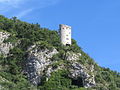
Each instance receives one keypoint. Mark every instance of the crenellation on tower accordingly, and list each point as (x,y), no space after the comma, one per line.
(65,34)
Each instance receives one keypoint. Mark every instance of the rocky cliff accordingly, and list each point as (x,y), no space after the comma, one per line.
(39,63)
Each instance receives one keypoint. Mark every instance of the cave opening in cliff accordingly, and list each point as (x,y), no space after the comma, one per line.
(78,82)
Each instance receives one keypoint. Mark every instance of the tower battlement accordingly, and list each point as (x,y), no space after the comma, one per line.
(65,34)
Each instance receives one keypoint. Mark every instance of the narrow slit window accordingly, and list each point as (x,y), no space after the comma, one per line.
(67,38)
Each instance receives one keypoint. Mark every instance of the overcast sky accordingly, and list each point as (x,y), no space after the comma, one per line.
(95,23)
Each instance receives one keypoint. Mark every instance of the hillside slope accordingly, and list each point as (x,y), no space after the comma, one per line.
(33,58)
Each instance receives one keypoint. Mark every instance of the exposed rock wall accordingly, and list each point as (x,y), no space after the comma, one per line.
(39,61)
(78,70)
(4,47)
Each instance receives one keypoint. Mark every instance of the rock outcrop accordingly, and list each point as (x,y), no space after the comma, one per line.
(4,47)
(39,64)
(78,71)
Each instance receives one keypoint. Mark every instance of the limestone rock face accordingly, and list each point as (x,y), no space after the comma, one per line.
(4,47)
(77,70)
(72,56)
(37,63)
(3,36)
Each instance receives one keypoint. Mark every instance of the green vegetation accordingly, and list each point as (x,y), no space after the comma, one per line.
(25,35)
(59,81)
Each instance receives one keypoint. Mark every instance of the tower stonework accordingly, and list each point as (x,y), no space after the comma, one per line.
(65,34)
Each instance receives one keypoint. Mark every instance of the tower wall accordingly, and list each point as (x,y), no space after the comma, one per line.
(65,34)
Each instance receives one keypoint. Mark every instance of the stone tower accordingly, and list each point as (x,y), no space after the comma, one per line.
(65,34)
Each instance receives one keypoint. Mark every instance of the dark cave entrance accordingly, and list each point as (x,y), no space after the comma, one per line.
(78,82)
(67,44)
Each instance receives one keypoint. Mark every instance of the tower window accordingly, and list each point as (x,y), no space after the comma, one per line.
(67,38)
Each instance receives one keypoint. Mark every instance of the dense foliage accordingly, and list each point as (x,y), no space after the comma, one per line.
(11,75)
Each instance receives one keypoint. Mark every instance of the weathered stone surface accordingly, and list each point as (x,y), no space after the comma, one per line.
(3,36)
(4,47)
(77,70)
(72,56)
(37,63)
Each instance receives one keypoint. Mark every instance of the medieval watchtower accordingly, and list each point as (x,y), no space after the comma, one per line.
(65,34)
